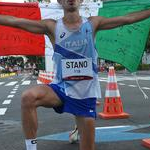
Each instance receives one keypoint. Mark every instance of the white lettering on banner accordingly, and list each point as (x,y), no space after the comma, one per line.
(77,69)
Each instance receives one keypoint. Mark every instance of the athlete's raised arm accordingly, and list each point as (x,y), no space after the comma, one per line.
(38,27)
(102,23)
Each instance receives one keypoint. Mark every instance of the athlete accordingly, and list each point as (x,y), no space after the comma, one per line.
(75,87)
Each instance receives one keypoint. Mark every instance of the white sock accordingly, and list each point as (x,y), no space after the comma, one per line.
(31,144)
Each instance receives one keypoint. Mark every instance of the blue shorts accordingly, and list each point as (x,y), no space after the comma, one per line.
(85,107)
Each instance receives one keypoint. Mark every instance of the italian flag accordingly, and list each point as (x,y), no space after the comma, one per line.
(18,42)
(14,41)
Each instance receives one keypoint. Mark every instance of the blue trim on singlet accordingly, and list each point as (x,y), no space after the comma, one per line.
(95,68)
(67,54)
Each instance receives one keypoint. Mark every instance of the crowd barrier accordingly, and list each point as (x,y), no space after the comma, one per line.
(45,77)
(4,75)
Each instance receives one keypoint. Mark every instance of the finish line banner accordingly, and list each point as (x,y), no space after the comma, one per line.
(18,42)
(124,45)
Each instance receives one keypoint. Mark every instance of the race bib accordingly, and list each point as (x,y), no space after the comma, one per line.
(77,69)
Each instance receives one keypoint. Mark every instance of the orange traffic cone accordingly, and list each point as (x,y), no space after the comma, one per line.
(146,143)
(113,107)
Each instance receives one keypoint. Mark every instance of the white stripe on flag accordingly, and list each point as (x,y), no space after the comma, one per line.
(55,12)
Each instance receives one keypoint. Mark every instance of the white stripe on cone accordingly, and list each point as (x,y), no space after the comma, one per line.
(112,79)
(112,93)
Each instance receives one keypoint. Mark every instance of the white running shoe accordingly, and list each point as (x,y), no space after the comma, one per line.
(74,136)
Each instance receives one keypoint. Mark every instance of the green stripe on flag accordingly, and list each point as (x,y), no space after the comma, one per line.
(124,45)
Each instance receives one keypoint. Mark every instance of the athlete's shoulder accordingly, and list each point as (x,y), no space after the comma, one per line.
(50,25)
(95,20)
(49,21)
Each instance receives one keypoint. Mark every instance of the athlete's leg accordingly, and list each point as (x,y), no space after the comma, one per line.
(86,127)
(73,135)
(41,95)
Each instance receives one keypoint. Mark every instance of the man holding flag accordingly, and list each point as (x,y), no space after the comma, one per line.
(75,87)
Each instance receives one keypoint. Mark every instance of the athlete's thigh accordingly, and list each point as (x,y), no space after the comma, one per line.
(45,96)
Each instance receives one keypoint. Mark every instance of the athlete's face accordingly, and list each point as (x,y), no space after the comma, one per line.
(70,5)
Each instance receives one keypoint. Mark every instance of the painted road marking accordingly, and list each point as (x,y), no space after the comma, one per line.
(121,83)
(143,78)
(107,134)
(10,96)
(145,88)
(1,83)
(24,78)
(12,92)
(11,83)
(15,89)
(132,85)
(111,127)
(27,82)
(2,111)
(123,78)
(6,102)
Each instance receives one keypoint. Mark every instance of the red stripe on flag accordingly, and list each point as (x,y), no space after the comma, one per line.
(18,42)
(19,4)
(112,86)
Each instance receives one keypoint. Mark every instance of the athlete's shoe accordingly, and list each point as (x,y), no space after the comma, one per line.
(98,103)
(74,136)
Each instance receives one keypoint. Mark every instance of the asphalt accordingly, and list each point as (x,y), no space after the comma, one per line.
(111,134)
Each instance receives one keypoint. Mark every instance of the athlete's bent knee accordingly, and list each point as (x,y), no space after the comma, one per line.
(28,99)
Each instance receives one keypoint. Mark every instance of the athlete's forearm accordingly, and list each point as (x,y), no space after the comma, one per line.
(24,24)
(138,16)
(7,20)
